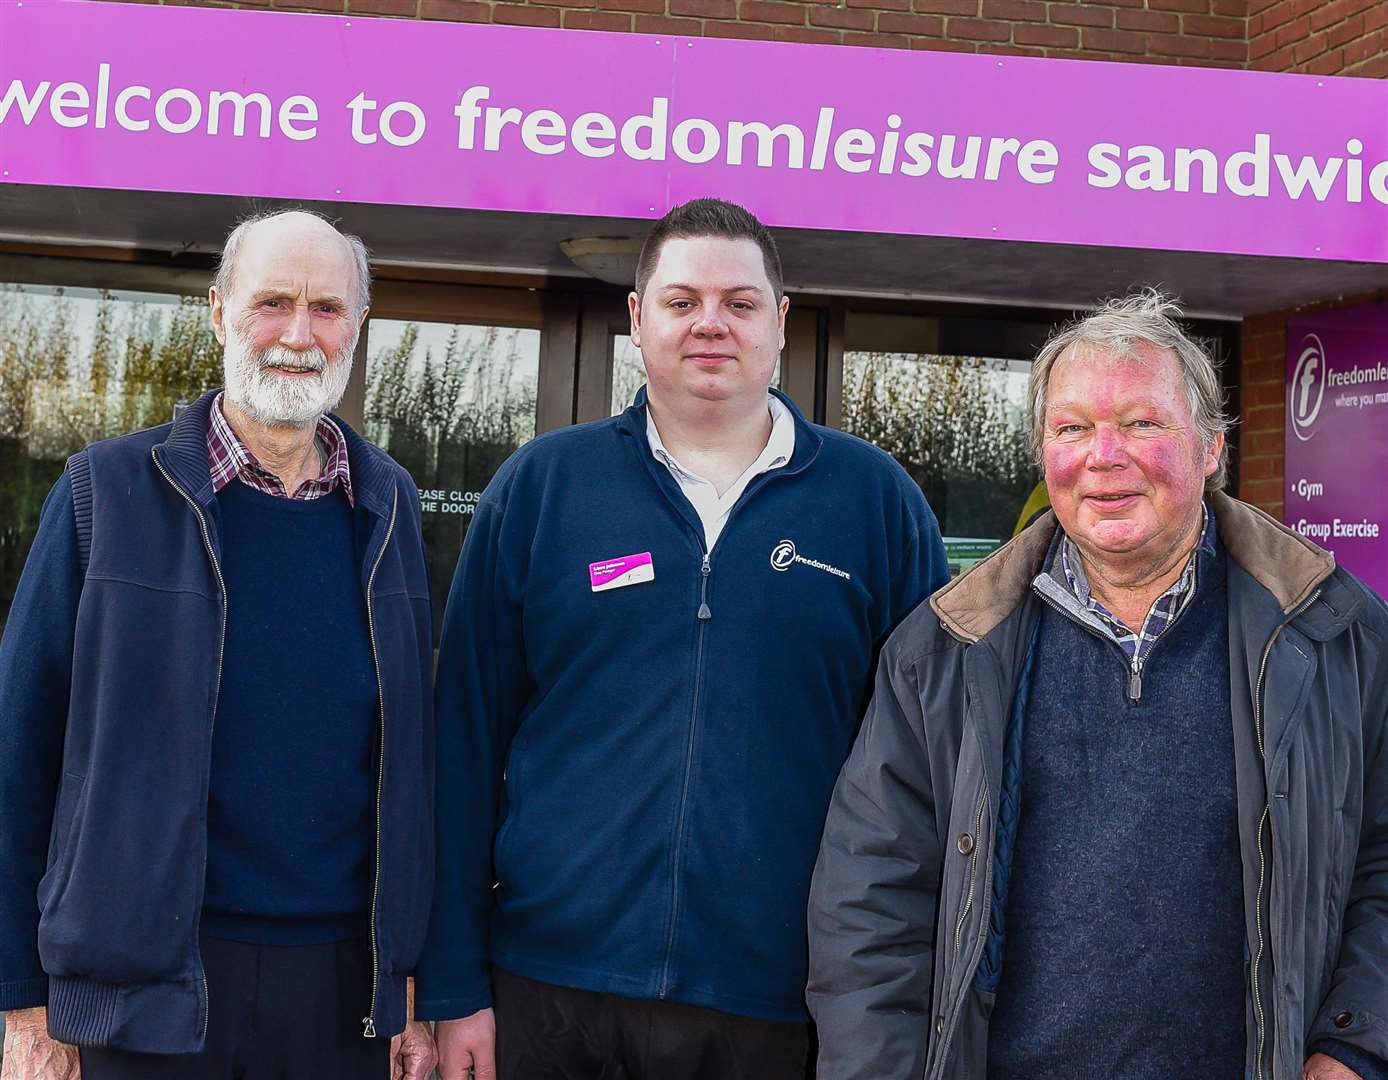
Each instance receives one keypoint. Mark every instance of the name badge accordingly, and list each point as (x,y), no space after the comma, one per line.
(620,572)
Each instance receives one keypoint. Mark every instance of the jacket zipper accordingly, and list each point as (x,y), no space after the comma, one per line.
(973,876)
(1134,668)
(1265,819)
(703,615)
(1135,665)
(368,1022)
(1135,679)
(216,686)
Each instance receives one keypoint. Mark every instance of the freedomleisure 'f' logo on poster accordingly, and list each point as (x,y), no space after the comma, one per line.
(1307,389)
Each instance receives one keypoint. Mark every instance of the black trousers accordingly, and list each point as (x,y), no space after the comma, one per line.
(277,1013)
(546,1032)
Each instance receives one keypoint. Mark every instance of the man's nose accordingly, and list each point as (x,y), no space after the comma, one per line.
(1106,448)
(298,333)
(710,322)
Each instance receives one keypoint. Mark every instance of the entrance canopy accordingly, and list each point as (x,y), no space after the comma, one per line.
(816,261)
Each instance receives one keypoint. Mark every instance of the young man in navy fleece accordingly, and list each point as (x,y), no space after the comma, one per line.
(659,641)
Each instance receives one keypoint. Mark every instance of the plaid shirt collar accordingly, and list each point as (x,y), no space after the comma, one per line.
(230,459)
(1165,608)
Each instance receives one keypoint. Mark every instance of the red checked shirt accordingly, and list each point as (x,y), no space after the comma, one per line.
(230,459)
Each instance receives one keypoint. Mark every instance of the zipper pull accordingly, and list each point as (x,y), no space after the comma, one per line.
(1135,683)
(368,1025)
(704,570)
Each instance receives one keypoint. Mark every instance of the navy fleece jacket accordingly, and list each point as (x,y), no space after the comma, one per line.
(645,786)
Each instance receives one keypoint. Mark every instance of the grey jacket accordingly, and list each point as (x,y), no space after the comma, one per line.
(902,890)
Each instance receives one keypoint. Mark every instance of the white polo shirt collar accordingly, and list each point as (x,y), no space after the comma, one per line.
(712,508)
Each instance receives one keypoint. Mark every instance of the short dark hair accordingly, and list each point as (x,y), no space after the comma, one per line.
(708,217)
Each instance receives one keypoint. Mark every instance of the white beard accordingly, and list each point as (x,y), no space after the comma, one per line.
(277,400)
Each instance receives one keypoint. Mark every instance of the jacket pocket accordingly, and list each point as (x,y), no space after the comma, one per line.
(62,837)
(506,834)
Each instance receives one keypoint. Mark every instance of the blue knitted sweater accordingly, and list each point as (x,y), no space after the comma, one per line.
(290,805)
(1124,920)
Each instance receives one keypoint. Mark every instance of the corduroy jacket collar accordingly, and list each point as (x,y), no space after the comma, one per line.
(1285,563)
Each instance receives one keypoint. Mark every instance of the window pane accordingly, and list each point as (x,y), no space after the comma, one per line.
(450,402)
(77,365)
(629,374)
(957,425)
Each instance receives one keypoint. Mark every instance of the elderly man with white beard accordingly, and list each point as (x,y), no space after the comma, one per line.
(216,740)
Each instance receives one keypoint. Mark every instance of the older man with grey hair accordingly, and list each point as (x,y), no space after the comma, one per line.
(1119,807)
(216,743)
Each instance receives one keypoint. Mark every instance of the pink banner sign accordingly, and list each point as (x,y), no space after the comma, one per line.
(1337,436)
(500,118)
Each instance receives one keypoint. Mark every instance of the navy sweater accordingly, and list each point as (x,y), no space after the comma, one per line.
(666,776)
(1125,931)
(289,815)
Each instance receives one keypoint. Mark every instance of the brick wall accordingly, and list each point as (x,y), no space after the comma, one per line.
(1262,412)
(1205,32)
(1319,37)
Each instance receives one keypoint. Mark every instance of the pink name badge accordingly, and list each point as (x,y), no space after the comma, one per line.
(622,571)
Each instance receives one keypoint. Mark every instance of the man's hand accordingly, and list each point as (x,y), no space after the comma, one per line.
(469,1043)
(30,1054)
(412,1054)
(1324,1067)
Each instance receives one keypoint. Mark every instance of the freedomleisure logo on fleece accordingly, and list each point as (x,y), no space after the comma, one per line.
(784,556)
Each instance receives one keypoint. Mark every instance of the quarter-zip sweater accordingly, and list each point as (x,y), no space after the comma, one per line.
(109,685)
(1124,891)
(669,747)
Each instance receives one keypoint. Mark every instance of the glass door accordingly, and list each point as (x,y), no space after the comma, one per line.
(954,419)
(450,402)
(78,365)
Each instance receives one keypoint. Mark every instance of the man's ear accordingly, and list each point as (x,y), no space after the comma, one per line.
(1212,454)
(634,309)
(218,313)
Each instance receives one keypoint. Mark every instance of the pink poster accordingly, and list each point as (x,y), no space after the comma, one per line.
(367,110)
(1337,436)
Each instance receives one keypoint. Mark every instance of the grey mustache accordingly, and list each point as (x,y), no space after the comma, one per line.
(312,360)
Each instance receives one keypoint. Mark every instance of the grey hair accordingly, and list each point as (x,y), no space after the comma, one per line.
(231,252)
(1119,327)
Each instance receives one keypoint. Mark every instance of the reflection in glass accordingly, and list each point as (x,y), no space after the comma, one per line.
(450,403)
(629,373)
(77,365)
(957,424)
